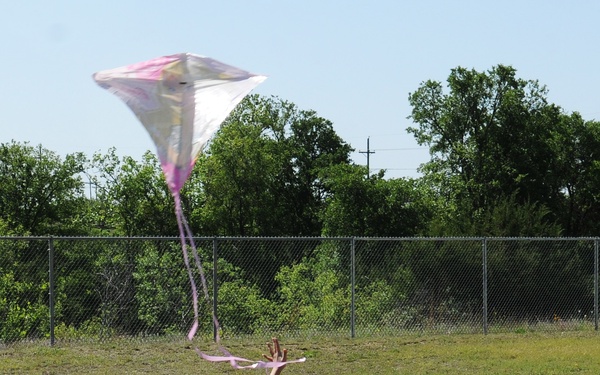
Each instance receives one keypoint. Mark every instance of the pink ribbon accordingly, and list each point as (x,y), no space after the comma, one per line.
(234,361)
(185,235)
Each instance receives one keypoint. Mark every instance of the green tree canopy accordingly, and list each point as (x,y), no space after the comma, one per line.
(373,206)
(495,137)
(40,193)
(261,173)
(133,198)
(578,167)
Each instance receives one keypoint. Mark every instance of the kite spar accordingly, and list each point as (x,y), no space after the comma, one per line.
(182,100)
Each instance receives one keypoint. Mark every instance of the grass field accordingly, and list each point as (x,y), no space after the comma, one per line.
(513,353)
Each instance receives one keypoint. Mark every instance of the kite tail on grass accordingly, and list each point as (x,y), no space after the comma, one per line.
(185,235)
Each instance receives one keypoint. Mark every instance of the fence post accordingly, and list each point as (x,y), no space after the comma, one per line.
(215,288)
(596,283)
(51,287)
(485,288)
(352,287)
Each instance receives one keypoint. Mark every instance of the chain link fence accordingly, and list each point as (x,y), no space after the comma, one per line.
(62,288)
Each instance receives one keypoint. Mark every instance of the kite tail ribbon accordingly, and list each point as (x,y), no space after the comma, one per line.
(185,235)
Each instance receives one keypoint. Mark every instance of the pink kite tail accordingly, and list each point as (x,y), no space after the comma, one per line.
(185,235)
(202,275)
(180,220)
(234,361)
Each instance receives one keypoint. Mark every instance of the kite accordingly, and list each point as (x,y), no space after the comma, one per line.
(182,100)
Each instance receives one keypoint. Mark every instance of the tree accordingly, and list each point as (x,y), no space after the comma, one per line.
(239,177)
(132,198)
(578,165)
(40,193)
(491,136)
(314,146)
(373,206)
(505,218)
(260,175)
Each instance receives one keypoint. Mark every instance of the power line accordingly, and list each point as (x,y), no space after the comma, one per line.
(397,169)
(401,149)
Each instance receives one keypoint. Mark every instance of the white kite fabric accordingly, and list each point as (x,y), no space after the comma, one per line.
(182,100)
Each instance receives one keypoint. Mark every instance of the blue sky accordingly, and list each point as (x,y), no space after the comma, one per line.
(353,62)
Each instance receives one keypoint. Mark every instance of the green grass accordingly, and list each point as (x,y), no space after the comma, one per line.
(506,353)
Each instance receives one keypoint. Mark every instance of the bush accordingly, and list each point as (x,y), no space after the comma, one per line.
(21,317)
(314,294)
(163,291)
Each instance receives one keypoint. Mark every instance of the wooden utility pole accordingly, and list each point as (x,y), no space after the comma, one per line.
(368,152)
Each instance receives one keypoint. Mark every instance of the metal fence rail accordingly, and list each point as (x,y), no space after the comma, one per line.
(64,288)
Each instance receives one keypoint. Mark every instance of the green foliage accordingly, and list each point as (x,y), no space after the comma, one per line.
(90,329)
(76,298)
(22,314)
(505,218)
(373,206)
(113,283)
(313,296)
(133,198)
(493,136)
(515,267)
(163,295)
(242,309)
(576,142)
(377,305)
(23,291)
(41,194)
(443,283)
(504,162)
(261,173)
(162,290)
(239,178)
(5,230)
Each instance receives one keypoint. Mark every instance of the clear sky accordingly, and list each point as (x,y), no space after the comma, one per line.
(353,62)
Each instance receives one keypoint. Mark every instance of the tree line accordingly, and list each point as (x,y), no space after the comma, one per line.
(504,162)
